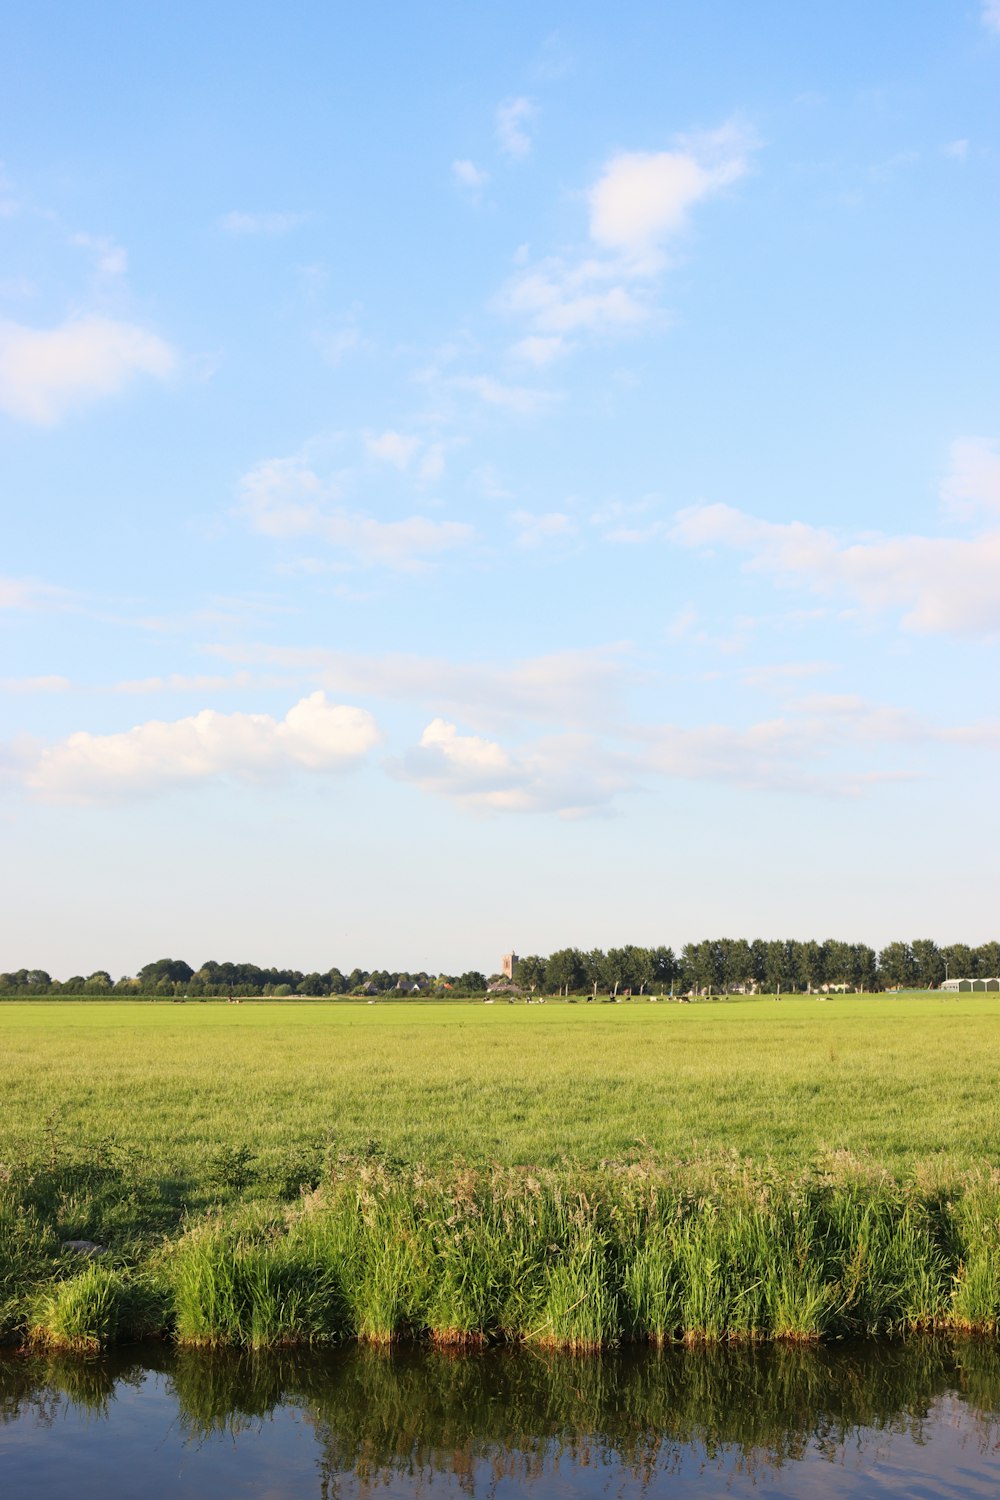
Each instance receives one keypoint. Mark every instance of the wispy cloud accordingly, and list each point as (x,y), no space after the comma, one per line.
(285,498)
(110,259)
(513,119)
(941,584)
(266,224)
(46,372)
(468,175)
(523,400)
(396,448)
(972,483)
(314,735)
(534,531)
(31,593)
(581,687)
(991,15)
(32,685)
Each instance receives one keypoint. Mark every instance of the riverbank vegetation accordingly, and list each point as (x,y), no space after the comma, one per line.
(698,1252)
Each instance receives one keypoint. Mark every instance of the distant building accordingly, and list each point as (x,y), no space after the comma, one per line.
(971,986)
(508,964)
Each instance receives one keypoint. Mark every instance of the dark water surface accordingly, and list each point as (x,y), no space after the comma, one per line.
(919,1419)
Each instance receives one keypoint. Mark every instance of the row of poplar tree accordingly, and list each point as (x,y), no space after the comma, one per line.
(715,966)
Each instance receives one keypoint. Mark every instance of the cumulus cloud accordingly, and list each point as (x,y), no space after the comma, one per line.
(45,372)
(287,499)
(566,774)
(315,735)
(643,198)
(267,224)
(513,118)
(640,201)
(941,584)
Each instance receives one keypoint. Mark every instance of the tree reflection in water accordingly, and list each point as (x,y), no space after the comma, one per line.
(383,1414)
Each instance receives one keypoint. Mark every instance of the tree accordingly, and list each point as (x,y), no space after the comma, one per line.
(813,959)
(960,961)
(530,972)
(175,970)
(628,968)
(896,967)
(987,958)
(665,966)
(779,967)
(737,965)
(928,965)
(472,982)
(565,970)
(99,983)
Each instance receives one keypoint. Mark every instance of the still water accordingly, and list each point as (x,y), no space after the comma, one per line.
(920,1419)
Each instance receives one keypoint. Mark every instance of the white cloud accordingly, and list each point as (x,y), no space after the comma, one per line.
(111,259)
(469,175)
(538,349)
(393,447)
(512,119)
(285,498)
(432,463)
(50,684)
(972,482)
(640,201)
(564,687)
(534,530)
(942,584)
(202,682)
(314,735)
(29,593)
(957,150)
(777,675)
(991,15)
(645,197)
(335,346)
(44,372)
(566,774)
(521,399)
(268,224)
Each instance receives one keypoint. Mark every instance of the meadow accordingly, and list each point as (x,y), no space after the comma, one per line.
(746,1168)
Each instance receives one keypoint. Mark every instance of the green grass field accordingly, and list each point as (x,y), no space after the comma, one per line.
(571,1174)
(909,1080)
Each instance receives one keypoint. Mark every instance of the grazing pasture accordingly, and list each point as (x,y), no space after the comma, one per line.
(565,1174)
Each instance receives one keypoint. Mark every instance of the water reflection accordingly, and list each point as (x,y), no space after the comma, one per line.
(510,1422)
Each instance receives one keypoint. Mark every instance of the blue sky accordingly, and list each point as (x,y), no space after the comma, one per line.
(485,476)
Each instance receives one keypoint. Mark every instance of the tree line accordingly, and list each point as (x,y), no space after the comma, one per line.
(714,966)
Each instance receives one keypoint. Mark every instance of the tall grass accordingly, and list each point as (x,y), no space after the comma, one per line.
(582,1262)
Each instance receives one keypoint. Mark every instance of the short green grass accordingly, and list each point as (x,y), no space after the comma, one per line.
(906,1080)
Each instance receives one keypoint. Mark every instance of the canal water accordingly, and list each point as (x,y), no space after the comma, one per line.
(915,1419)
